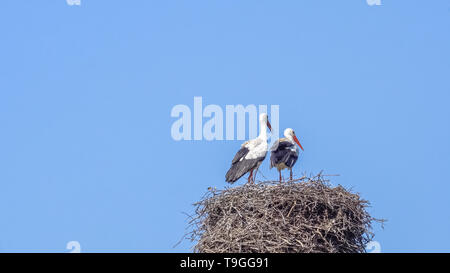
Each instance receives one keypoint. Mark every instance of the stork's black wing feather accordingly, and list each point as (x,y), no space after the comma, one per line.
(240,154)
(283,153)
(284,145)
(241,166)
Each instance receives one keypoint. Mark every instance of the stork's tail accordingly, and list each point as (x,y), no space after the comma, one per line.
(240,168)
(233,175)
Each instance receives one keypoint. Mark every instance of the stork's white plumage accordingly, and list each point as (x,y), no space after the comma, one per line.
(284,153)
(251,154)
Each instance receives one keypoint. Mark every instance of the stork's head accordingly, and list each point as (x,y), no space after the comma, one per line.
(290,134)
(264,119)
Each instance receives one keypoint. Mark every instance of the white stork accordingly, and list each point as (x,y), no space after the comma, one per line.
(284,152)
(251,154)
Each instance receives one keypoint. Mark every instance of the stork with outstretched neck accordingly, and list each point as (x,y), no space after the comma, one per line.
(251,154)
(284,153)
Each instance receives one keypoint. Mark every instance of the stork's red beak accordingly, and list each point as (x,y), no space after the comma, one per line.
(270,126)
(298,142)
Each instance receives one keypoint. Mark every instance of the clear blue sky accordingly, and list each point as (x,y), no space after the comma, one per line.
(86,93)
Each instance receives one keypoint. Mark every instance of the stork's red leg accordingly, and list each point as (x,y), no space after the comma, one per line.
(291,173)
(254,177)
(279,171)
(250,176)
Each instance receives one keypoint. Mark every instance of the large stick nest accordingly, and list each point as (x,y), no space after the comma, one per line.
(304,215)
